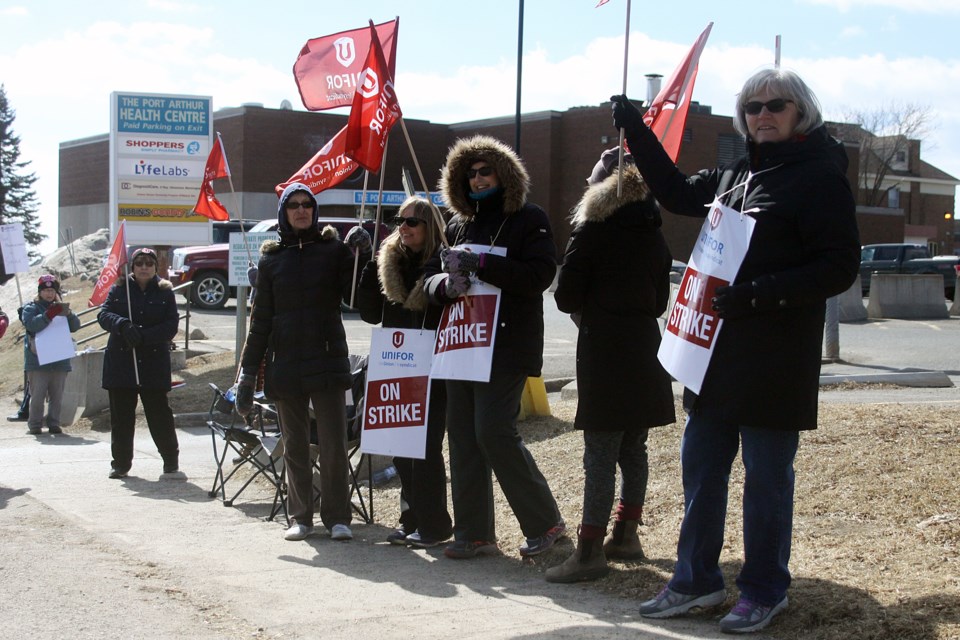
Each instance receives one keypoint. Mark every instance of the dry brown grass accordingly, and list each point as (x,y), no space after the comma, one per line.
(877,518)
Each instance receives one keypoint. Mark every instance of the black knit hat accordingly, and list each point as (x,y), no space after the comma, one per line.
(48,281)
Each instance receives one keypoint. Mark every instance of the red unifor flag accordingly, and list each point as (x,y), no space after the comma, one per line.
(667,113)
(111,268)
(328,168)
(328,69)
(207,204)
(375,110)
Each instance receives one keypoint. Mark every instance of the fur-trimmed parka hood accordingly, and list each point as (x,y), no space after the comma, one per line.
(513,176)
(329,232)
(286,233)
(162,283)
(600,201)
(392,264)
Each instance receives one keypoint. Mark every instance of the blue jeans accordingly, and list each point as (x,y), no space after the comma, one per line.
(707,453)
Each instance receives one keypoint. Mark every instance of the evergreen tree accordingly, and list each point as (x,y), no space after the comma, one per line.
(18,201)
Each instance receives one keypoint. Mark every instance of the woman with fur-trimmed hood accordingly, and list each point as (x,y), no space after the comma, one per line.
(616,279)
(485,186)
(391,292)
(296,324)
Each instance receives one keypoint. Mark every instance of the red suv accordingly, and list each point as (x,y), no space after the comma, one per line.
(207,266)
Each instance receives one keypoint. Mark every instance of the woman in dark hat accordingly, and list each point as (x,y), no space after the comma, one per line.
(46,381)
(141,315)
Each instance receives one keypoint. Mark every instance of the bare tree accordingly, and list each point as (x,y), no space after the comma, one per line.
(886,135)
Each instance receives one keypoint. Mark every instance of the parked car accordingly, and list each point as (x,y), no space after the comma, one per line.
(206,266)
(906,258)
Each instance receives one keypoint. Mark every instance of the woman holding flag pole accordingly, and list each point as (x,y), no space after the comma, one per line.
(141,315)
(761,381)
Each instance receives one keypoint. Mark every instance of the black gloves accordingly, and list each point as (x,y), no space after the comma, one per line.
(736,301)
(454,260)
(245,385)
(626,116)
(131,334)
(358,239)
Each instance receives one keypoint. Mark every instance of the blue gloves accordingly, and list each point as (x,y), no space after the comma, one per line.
(458,260)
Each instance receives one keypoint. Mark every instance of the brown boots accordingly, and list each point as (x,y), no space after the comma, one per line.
(623,543)
(586,563)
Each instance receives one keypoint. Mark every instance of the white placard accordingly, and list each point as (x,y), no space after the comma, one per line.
(397,397)
(692,326)
(54,343)
(240,258)
(14,248)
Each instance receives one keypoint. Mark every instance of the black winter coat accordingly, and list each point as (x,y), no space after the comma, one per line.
(502,220)
(296,320)
(805,248)
(616,276)
(154,311)
(391,291)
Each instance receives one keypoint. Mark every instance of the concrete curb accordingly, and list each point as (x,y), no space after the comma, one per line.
(900,378)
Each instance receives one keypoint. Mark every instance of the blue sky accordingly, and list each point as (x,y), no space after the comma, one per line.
(60,60)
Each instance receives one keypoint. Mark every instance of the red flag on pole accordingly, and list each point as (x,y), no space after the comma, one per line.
(329,68)
(667,113)
(328,168)
(207,204)
(375,110)
(111,268)
(601,3)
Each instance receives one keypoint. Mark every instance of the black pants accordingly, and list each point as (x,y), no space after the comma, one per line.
(123,406)
(423,490)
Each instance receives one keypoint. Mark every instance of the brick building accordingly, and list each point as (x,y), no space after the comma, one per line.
(265,146)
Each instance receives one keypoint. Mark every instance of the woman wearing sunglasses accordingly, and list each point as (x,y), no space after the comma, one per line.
(301,279)
(136,364)
(391,292)
(761,384)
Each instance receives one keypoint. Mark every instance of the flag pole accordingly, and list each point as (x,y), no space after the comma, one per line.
(236,203)
(133,350)
(776,55)
(383,173)
(356,256)
(626,52)
(436,212)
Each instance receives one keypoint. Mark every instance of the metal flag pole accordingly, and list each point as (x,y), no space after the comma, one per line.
(626,53)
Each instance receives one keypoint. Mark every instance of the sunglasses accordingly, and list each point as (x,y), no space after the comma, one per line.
(293,206)
(753,108)
(144,263)
(411,222)
(484,171)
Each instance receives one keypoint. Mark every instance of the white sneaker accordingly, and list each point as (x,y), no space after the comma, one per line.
(341,532)
(297,532)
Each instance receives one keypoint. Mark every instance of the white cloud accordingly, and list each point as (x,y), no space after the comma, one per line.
(852,32)
(14,11)
(946,7)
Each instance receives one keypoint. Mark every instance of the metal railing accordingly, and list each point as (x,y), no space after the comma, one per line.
(181,316)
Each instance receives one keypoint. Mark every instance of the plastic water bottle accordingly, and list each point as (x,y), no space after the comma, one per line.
(384,476)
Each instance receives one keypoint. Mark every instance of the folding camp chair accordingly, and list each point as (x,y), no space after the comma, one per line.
(362,505)
(256,449)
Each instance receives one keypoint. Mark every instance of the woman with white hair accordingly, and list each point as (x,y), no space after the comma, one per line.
(760,387)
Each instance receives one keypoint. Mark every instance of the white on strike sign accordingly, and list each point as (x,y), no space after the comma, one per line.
(692,325)
(397,394)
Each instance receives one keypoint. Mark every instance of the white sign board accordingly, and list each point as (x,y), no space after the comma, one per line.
(241,255)
(14,248)
(54,343)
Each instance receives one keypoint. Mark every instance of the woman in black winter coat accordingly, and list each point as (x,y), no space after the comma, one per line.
(760,387)
(296,324)
(485,186)
(615,279)
(391,292)
(137,362)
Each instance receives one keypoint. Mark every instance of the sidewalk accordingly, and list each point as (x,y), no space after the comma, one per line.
(225,572)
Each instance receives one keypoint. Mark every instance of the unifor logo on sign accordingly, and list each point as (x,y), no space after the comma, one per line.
(345,50)
(397,339)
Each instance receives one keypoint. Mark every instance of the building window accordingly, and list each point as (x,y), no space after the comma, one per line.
(901,156)
(687,135)
(893,197)
(729,148)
